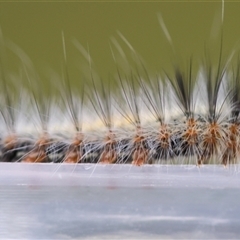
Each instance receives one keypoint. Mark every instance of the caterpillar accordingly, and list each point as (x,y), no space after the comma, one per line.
(147,133)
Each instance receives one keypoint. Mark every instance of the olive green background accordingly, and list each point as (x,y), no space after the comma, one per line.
(36,27)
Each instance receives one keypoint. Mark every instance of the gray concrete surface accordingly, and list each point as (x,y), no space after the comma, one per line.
(43,201)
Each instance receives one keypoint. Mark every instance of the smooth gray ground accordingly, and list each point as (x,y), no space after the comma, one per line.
(124,202)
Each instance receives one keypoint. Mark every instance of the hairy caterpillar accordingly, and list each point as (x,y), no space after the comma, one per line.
(203,136)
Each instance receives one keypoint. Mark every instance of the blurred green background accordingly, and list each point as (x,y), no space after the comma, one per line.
(36,28)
